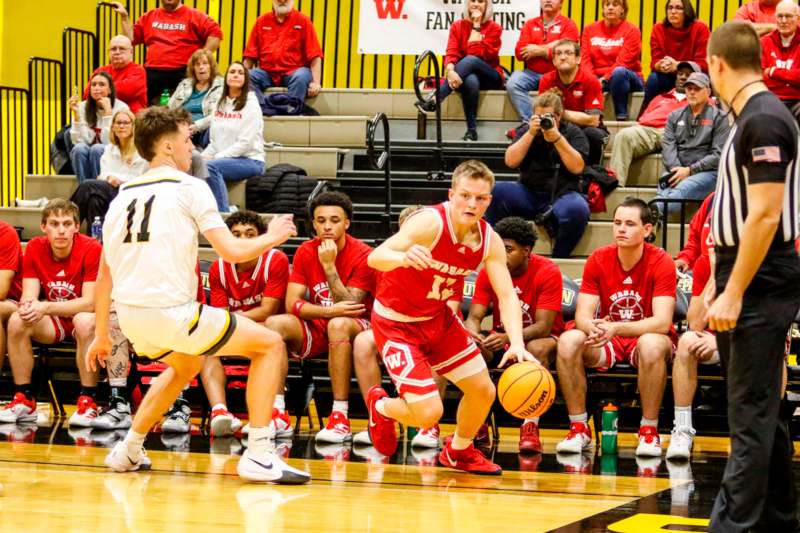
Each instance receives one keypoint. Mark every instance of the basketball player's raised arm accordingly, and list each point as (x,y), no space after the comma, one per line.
(234,250)
(507,301)
(409,247)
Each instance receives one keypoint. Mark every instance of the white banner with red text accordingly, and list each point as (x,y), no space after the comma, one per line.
(413,26)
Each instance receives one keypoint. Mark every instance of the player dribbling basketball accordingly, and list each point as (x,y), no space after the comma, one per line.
(150,253)
(424,264)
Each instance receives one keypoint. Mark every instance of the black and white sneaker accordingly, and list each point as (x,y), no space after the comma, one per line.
(269,468)
(178,418)
(116,416)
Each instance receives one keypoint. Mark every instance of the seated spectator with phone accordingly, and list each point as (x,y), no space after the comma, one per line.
(551,155)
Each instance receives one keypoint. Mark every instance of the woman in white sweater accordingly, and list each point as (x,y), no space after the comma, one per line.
(120,162)
(91,125)
(236,150)
(199,93)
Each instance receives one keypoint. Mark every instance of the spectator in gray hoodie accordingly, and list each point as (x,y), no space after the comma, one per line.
(692,143)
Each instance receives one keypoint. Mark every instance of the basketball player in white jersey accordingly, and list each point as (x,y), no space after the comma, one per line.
(150,253)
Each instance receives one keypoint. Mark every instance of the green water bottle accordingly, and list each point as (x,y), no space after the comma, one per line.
(608,464)
(164,99)
(608,436)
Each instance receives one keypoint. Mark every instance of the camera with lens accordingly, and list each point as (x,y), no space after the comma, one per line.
(547,122)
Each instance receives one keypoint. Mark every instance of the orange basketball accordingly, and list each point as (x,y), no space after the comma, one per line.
(526,390)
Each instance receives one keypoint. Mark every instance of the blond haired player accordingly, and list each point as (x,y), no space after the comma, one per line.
(150,253)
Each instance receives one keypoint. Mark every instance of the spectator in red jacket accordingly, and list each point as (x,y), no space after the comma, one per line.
(780,55)
(612,51)
(759,13)
(285,47)
(129,78)
(171,33)
(679,37)
(472,61)
(699,241)
(535,47)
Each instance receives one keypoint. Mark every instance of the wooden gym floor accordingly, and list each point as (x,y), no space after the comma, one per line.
(53,479)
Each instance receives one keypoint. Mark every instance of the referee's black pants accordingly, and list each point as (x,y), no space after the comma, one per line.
(758,491)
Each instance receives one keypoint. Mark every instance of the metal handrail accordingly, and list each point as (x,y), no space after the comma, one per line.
(665,216)
(44,110)
(382,161)
(438,154)
(70,68)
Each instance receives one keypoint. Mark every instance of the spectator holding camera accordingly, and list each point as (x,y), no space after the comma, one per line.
(551,154)
(692,144)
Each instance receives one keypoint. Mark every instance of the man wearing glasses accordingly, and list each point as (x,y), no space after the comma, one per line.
(691,146)
(129,78)
(581,94)
(780,55)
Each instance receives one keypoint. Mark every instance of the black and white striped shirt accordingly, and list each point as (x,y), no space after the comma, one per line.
(763,147)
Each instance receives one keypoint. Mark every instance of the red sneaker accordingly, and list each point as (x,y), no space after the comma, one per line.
(529,441)
(20,409)
(85,412)
(482,436)
(382,430)
(469,460)
(530,463)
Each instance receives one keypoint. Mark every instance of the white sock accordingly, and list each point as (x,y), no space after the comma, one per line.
(220,406)
(683,416)
(258,440)
(648,422)
(134,442)
(583,418)
(535,420)
(118,382)
(340,406)
(280,403)
(460,443)
(381,408)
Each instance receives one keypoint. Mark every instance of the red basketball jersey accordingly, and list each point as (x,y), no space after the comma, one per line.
(628,296)
(421,293)
(243,291)
(539,287)
(62,280)
(11,258)
(351,265)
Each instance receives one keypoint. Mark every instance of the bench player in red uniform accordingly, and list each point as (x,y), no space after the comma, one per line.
(255,289)
(62,264)
(537,282)
(10,279)
(423,265)
(632,283)
(328,302)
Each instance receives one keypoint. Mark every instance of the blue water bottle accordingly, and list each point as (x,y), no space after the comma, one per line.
(97,229)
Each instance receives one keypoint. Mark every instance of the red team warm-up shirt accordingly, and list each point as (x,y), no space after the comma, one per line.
(351,264)
(243,291)
(700,239)
(282,48)
(424,293)
(628,296)
(173,36)
(534,32)
(11,258)
(62,280)
(488,48)
(785,79)
(604,48)
(584,94)
(539,287)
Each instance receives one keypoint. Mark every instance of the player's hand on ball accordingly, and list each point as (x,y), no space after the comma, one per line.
(98,352)
(418,257)
(518,354)
(282,228)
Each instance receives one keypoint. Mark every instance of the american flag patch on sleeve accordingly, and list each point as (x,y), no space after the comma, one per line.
(766,154)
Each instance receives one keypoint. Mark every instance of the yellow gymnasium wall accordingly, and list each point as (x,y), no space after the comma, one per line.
(34,28)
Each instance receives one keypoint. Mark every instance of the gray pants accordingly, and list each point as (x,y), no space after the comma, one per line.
(758,491)
(630,143)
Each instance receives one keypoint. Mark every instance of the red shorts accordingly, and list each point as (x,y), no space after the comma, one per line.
(315,337)
(64,328)
(410,350)
(623,349)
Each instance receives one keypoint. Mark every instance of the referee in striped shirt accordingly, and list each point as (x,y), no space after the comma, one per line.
(756,291)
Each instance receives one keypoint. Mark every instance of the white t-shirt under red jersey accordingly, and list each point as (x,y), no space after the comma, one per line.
(627,296)
(539,287)
(243,291)
(62,280)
